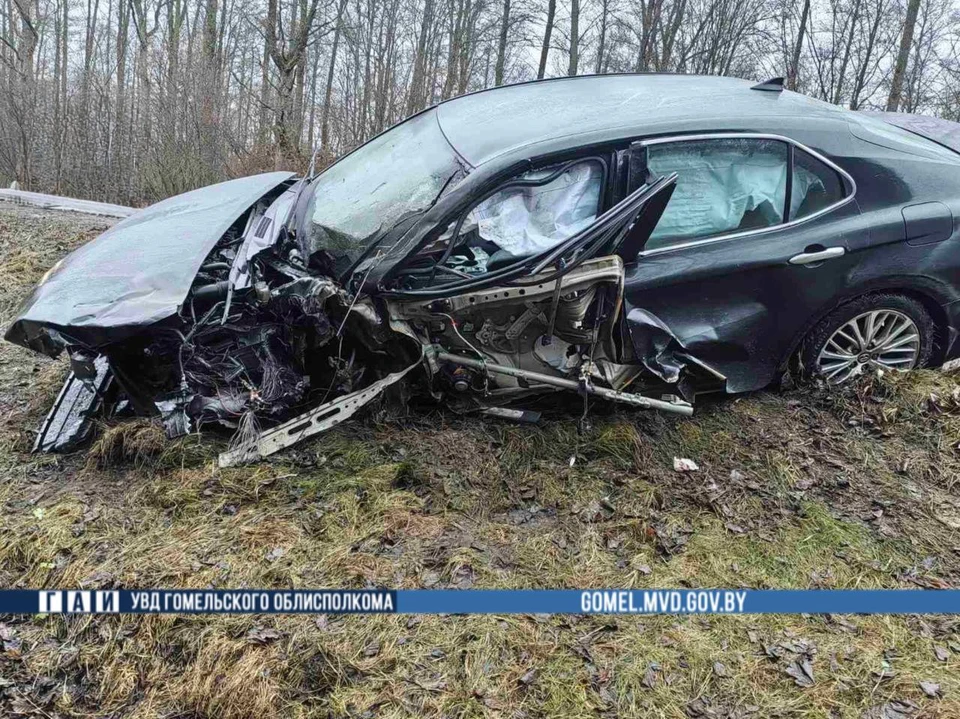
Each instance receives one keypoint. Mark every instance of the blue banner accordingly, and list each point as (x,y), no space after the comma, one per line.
(480,601)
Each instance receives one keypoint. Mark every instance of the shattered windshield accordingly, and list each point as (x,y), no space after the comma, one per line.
(397,173)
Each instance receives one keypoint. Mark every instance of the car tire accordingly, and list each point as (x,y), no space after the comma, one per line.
(890,312)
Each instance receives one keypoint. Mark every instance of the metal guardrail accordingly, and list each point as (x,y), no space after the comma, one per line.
(55,202)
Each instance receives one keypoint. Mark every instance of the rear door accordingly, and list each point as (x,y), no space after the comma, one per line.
(753,244)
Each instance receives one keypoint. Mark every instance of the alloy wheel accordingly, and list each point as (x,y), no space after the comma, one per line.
(884,339)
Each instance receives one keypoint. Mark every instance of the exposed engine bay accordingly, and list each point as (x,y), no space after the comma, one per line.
(274,341)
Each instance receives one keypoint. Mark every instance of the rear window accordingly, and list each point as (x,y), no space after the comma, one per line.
(816,185)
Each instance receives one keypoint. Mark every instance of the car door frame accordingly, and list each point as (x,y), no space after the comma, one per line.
(770,364)
(850,185)
(541,260)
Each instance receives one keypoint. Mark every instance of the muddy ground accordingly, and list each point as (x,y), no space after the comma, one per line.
(802,488)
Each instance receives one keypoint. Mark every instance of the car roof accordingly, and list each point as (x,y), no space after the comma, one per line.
(486,124)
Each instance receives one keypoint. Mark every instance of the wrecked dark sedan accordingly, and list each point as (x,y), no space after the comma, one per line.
(640,239)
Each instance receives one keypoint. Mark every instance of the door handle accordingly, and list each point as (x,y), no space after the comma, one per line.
(807,258)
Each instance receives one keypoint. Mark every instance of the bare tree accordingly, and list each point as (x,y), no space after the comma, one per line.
(798,47)
(574,37)
(547,32)
(903,56)
(287,51)
(133,100)
(502,45)
(328,87)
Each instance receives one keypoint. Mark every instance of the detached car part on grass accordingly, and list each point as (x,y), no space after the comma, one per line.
(634,238)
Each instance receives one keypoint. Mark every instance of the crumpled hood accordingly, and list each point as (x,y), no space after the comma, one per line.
(137,273)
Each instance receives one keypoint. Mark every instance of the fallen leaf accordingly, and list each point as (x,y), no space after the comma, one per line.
(607,695)
(372,649)
(433,686)
(941,653)
(275,554)
(897,709)
(719,669)
(699,708)
(802,672)
(99,578)
(262,635)
(931,689)
(492,703)
(834,664)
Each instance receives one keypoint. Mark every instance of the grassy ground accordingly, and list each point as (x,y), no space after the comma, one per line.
(795,490)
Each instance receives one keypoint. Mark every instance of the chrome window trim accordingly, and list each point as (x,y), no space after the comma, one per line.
(762,230)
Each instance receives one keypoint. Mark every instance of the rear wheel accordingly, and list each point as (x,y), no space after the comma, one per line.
(882,331)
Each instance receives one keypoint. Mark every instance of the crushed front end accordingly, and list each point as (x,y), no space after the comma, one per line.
(274,308)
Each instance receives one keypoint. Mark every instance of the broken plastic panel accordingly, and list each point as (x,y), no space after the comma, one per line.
(69,423)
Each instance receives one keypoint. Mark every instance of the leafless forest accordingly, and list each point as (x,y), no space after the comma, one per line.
(133,100)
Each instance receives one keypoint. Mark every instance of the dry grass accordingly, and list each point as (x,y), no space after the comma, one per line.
(136,442)
(809,489)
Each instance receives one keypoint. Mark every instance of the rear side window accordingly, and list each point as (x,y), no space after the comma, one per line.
(724,185)
(815,185)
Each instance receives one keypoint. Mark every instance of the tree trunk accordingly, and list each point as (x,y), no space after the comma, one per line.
(457,22)
(854,21)
(328,89)
(502,45)
(903,55)
(798,48)
(29,38)
(414,96)
(547,32)
(263,119)
(209,120)
(574,37)
(671,35)
(861,79)
(602,42)
(119,145)
(59,70)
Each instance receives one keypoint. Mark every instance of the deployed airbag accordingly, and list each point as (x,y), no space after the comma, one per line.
(723,186)
(524,220)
